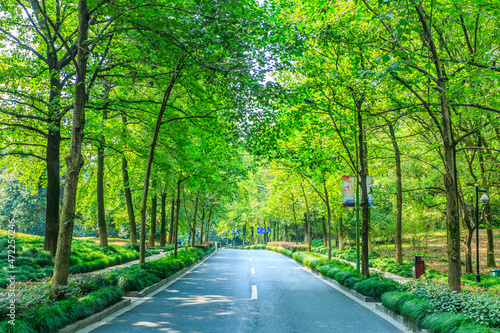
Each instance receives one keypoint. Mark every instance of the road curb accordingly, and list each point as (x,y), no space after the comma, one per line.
(95,317)
(403,320)
(98,319)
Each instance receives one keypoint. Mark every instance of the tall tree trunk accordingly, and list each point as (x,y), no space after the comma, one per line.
(177,211)
(340,233)
(163,222)
(323,226)
(145,188)
(274,233)
(53,189)
(244,233)
(52,157)
(286,233)
(127,192)
(308,219)
(449,145)
(101,217)
(152,229)
(172,221)
(208,223)
(490,247)
(466,218)
(194,220)
(202,225)
(295,220)
(365,227)
(252,235)
(329,217)
(74,160)
(399,197)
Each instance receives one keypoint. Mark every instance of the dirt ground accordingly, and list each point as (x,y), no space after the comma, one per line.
(433,244)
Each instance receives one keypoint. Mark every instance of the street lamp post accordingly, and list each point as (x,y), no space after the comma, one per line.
(484,199)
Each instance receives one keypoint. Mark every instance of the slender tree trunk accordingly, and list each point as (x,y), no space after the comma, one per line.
(74,161)
(295,221)
(308,219)
(286,233)
(274,233)
(490,247)
(152,228)
(399,197)
(329,216)
(252,235)
(244,233)
(467,219)
(53,189)
(177,211)
(194,220)
(127,192)
(53,153)
(172,221)
(340,234)
(208,223)
(202,224)
(145,188)
(365,270)
(101,217)
(323,226)
(163,224)
(449,145)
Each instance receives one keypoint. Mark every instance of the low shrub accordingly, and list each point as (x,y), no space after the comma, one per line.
(444,322)
(394,300)
(375,287)
(416,310)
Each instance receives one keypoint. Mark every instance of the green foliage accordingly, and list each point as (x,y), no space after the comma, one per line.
(444,322)
(394,300)
(390,265)
(375,287)
(416,310)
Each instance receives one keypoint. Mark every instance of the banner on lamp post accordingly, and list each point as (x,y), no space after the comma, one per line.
(348,197)
(348,191)
(369,187)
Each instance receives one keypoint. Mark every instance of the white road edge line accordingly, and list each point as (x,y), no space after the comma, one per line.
(370,306)
(249,259)
(254,292)
(252,270)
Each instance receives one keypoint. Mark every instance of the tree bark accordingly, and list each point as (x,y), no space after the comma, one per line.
(202,225)
(163,222)
(466,218)
(340,234)
(490,245)
(308,219)
(244,232)
(329,217)
(127,192)
(208,223)
(145,188)
(74,160)
(399,197)
(53,188)
(101,217)
(365,227)
(286,233)
(194,221)
(252,235)
(152,228)
(172,218)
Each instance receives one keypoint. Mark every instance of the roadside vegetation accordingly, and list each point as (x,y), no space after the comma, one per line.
(85,294)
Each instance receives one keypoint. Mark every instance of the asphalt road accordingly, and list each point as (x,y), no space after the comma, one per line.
(249,291)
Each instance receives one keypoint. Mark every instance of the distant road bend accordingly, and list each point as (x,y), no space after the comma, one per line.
(249,291)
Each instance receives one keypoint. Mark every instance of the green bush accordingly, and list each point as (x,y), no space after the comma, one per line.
(375,287)
(416,310)
(444,322)
(394,300)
